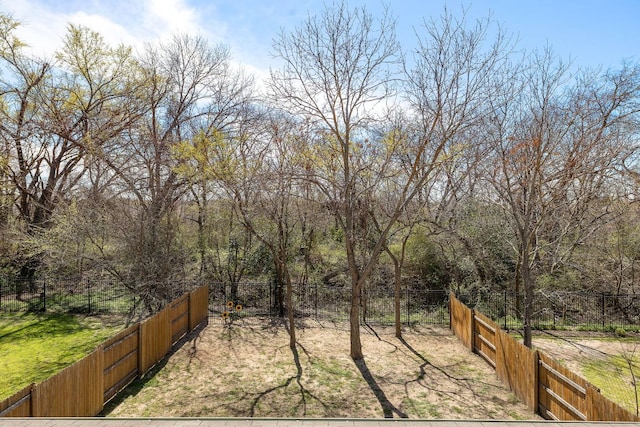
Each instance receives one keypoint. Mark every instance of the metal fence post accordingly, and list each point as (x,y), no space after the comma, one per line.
(407,306)
(44,295)
(315,299)
(88,297)
(603,310)
(505,310)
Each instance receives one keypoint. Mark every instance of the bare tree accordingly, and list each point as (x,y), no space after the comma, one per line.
(263,187)
(556,153)
(181,79)
(445,182)
(230,113)
(335,73)
(434,151)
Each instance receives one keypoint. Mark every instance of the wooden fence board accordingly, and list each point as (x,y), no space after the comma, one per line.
(179,317)
(603,409)
(544,385)
(18,405)
(155,339)
(120,360)
(561,392)
(74,392)
(485,337)
(82,388)
(198,306)
(461,321)
(516,366)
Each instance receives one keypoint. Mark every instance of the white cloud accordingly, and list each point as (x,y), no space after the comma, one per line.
(170,16)
(119,21)
(113,32)
(41,29)
(135,23)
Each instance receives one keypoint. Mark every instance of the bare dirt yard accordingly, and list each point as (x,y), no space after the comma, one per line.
(248,370)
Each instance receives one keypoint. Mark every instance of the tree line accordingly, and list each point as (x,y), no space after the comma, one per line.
(460,162)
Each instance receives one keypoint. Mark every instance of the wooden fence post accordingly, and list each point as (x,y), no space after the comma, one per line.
(190,307)
(536,381)
(35,397)
(31,405)
(472,329)
(139,349)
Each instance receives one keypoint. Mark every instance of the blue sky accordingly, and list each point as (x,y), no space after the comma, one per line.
(592,33)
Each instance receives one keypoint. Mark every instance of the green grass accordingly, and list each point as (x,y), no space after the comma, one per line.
(514,323)
(35,346)
(613,377)
(95,302)
(423,407)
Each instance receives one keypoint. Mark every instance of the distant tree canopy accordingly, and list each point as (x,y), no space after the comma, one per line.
(466,164)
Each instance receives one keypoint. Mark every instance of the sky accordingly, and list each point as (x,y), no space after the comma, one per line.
(589,33)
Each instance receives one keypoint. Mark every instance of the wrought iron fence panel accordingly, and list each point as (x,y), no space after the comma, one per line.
(88,296)
(329,303)
(551,309)
(559,309)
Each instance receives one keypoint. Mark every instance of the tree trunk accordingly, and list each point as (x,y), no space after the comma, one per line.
(279,290)
(517,279)
(202,237)
(290,315)
(527,281)
(354,320)
(396,297)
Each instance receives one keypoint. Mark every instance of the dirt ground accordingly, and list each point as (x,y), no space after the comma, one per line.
(248,369)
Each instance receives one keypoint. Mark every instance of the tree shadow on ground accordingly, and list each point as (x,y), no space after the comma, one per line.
(303,391)
(465,382)
(388,408)
(246,403)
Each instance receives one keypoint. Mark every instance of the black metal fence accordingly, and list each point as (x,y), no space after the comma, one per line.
(84,296)
(87,296)
(552,310)
(331,303)
(560,309)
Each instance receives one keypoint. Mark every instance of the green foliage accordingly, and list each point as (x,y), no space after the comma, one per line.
(337,234)
(425,259)
(482,244)
(62,246)
(560,279)
(204,157)
(34,347)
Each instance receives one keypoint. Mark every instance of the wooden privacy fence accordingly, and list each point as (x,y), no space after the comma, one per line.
(545,386)
(82,389)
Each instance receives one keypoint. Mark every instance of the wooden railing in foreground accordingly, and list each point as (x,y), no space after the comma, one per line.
(82,389)
(546,387)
